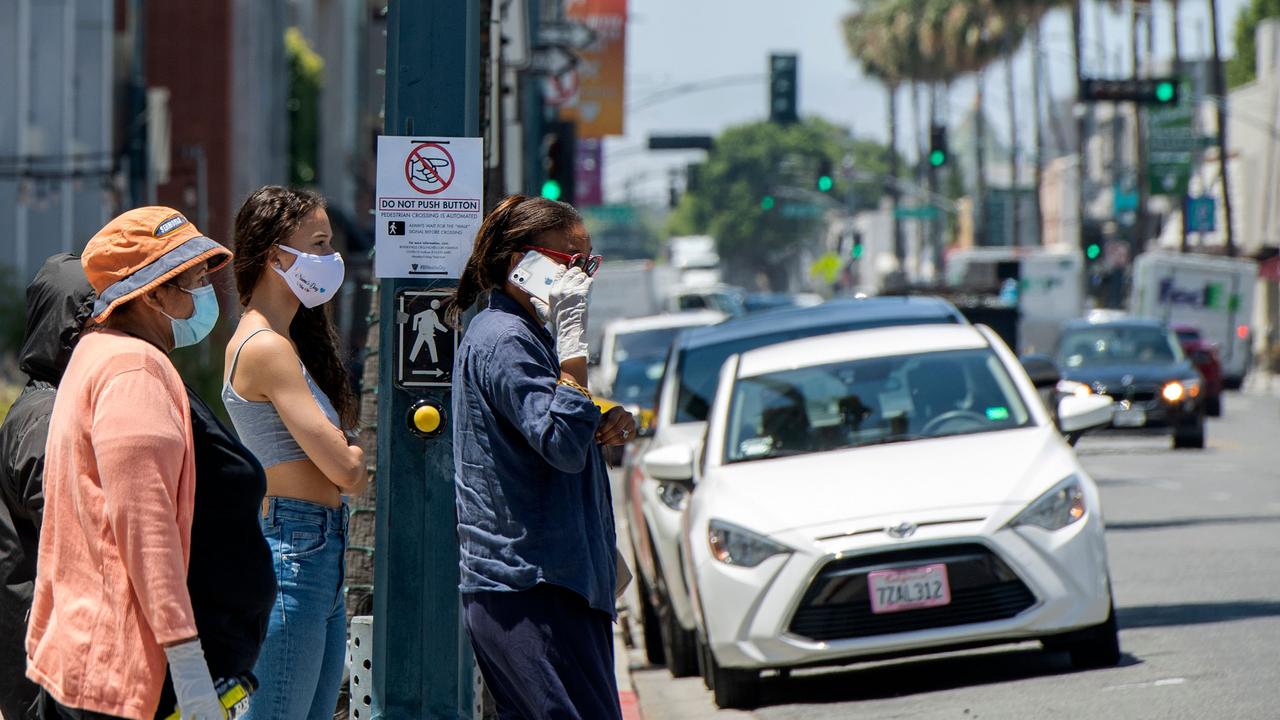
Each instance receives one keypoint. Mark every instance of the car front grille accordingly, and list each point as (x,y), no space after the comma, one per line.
(837,605)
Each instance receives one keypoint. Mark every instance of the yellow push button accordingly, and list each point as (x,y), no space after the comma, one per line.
(426,419)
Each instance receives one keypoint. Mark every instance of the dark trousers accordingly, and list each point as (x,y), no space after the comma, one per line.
(545,654)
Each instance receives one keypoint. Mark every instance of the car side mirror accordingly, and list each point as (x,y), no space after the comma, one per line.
(673,463)
(1080,413)
(1042,370)
(593,359)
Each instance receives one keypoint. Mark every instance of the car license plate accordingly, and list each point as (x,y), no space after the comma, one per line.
(908,588)
(1129,417)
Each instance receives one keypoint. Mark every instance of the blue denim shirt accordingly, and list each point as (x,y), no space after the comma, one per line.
(533,495)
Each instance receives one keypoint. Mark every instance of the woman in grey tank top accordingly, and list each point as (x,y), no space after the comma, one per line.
(288,395)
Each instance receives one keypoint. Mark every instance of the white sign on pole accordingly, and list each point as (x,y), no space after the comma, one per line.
(430,202)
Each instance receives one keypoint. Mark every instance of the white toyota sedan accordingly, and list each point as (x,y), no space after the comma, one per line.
(885,493)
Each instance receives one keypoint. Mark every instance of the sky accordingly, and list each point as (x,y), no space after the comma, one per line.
(672,42)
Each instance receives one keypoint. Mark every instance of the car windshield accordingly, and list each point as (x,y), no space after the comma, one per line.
(637,382)
(699,367)
(644,344)
(1188,336)
(872,401)
(1118,345)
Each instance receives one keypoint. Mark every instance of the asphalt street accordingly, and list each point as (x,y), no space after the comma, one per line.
(1194,545)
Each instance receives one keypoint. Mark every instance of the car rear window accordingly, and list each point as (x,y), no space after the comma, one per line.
(699,368)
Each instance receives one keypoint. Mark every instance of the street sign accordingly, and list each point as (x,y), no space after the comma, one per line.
(429,205)
(1171,147)
(424,344)
(916,212)
(598,106)
(1201,214)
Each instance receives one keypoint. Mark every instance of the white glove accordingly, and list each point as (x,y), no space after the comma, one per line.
(568,310)
(192,684)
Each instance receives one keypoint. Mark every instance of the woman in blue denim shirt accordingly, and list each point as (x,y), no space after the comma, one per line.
(535,517)
(287,393)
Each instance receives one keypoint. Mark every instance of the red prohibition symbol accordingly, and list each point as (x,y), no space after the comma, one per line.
(429,168)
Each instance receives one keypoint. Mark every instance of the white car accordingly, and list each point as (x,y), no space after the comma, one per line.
(655,507)
(888,492)
(643,342)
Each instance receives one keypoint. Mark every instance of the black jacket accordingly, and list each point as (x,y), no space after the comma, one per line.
(59,301)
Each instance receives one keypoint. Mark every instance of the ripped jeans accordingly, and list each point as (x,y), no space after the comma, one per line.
(300,668)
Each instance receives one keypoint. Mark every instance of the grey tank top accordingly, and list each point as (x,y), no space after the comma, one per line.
(259,425)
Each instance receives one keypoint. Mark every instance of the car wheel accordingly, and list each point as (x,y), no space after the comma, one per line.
(652,626)
(679,646)
(1189,437)
(733,687)
(1213,406)
(1098,646)
(704,663)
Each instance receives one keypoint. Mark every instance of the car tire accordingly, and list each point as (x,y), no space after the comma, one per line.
(704,664)
(734,688)
(651,624)
(679,646)
(1098,646)
(1191,437)
(1213,406)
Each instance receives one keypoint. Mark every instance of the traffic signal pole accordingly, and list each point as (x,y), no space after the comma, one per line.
(422,663)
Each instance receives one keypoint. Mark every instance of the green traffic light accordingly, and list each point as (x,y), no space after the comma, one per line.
(825,183)
(937,158)
(1093,251)
(1164,92)
(766,203)
(551,190)
(857,251)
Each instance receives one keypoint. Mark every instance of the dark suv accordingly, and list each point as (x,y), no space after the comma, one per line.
(1139,363)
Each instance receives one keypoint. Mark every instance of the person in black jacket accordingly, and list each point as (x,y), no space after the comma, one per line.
(231,578)
(59,301)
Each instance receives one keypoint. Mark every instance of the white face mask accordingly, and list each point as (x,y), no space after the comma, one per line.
(315,279)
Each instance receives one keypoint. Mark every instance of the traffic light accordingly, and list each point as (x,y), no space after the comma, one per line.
(559,147)
(782,89)
(1093,251)
(1144,91)
(938,152)
(856,249)
(826,180)
(766,203)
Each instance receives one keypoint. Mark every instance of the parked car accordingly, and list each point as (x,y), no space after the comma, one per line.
(888,492)
(641,342)
(721,298)
(1140,363)
(654,507)
(1204,355)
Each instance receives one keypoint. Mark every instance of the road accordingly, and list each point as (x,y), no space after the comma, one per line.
(1194,544)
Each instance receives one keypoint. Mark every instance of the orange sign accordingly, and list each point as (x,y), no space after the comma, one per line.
(599,106)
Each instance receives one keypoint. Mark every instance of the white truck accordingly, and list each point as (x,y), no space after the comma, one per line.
(625,289)
(1214,294)
(1046,284)
(695,259)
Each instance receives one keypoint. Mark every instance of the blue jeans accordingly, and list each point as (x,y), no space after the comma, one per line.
(300,668)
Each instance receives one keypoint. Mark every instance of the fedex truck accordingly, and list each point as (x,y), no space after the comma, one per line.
(1212,293)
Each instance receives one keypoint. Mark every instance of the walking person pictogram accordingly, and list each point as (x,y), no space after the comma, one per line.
(427,324)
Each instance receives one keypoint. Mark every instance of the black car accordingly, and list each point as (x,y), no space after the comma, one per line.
(1140,363)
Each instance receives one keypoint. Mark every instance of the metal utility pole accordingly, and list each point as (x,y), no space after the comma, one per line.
(1077,37)
(422,659)
(1220,93)
(1140,147)
(136,131)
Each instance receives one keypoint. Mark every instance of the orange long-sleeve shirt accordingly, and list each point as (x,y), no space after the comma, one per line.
(119,479)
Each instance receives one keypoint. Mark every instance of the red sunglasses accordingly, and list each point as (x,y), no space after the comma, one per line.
(590,264)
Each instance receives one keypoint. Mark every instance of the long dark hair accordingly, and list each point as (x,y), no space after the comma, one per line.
(515,223)
(268,218)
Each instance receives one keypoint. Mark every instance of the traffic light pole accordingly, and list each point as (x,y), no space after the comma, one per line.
(422,662)
(1220,91)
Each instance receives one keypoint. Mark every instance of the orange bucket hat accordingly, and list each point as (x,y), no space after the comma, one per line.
(143,249)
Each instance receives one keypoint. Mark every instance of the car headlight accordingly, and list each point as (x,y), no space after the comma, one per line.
(673,494)
(1056,509)
(1177,390)
(1071,387)
(733,545)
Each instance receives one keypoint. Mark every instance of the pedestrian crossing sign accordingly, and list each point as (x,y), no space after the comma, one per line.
(425,344)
